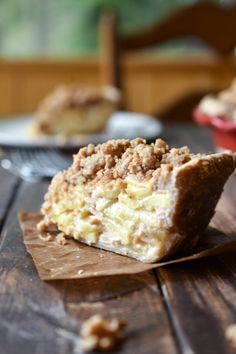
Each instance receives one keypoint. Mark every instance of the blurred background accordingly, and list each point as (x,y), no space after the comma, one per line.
(46,43)
(68,28)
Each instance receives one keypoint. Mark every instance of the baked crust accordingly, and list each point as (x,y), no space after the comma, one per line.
(191,185)
(199,184)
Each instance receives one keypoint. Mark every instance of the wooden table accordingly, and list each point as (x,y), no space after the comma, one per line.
(177,309)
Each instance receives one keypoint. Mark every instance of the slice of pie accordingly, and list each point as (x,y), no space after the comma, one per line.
(71,110)
(144,201)
(222,104)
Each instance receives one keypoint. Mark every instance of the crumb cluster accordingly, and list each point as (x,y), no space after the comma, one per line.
(230,334)
(100,334)
(120,158)
(61,239)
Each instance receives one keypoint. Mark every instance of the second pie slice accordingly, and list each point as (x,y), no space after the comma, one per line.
(140,200)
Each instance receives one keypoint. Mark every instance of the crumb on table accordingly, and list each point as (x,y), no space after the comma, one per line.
(41,226)
(100,334)
(230,333)
(61,239)
(46,237)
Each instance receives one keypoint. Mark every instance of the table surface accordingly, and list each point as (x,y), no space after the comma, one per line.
(181,308)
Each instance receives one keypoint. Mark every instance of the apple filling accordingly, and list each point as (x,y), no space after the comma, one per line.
(127,214)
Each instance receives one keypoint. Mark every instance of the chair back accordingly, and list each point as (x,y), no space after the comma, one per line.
(211,23)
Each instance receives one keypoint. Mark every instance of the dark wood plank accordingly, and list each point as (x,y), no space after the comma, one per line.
(109,62)
(45,317)
(198,139)
(200,297)
(8,187)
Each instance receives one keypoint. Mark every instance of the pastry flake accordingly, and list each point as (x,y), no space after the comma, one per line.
(140,200)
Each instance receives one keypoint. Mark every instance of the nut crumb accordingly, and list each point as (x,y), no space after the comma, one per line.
(81,271)
(41,226)
(230,333)
(47,237)
(61,239)
(95,221)
(100,334)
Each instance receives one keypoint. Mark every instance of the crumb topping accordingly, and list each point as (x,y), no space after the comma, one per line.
(73,96)
(119,158)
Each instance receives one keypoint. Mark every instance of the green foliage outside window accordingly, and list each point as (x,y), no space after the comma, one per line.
(69,27)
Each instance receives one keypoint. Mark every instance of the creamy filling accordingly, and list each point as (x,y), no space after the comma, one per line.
(127,215)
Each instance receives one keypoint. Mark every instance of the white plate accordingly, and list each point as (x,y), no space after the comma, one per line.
(13,131)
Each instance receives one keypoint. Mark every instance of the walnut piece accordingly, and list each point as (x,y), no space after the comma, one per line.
(41,226)
(46,237)
(61,239)
(230,333)
(100,334)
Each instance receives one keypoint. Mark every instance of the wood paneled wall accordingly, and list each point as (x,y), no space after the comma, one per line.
(151,83)
(24,83)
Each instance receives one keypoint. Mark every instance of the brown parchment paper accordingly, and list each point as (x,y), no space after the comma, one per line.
(76,260)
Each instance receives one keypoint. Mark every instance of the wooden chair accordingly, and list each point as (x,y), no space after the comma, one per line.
(211,23)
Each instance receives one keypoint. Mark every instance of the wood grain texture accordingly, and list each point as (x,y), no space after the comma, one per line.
(110,45)
(40,317)
(151,84)
(188,134)
(8,188)
(201,302)
(182,309)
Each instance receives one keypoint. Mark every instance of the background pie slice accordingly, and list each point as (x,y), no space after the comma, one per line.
(71,110)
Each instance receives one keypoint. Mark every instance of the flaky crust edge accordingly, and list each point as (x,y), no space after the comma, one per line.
(199,185)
